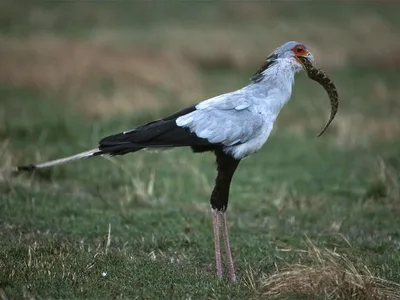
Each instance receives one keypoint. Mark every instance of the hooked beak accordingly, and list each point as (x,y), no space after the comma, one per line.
(307,56)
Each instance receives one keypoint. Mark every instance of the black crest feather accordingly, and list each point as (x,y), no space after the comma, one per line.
(258,76)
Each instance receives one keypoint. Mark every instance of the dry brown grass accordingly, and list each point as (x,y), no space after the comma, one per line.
(244,46)
(333,46)
(7,159)
(348,130)
(98,78)
(355,130)
(327,274)
(110,73)
(351,128)
(384,185)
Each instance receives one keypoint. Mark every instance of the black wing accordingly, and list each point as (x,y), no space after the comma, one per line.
(163,133)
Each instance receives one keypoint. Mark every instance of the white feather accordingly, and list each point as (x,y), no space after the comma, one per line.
(247,115)
(65,160)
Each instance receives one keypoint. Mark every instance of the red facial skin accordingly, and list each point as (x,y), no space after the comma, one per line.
(300,50)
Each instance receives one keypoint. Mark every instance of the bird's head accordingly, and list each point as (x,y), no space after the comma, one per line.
(290,50)
(298,57)
(293,50)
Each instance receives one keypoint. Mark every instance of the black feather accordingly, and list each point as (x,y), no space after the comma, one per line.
(258,76)
(163,133)
(27,168)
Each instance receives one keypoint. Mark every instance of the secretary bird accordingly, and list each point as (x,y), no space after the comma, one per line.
(232,126)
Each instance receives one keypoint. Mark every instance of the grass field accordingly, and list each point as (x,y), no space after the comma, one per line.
(321,214)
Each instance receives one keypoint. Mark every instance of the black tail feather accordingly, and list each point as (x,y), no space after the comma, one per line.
(164,133)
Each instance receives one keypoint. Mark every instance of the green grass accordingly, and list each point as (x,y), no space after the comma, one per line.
(55,223)
(340,191)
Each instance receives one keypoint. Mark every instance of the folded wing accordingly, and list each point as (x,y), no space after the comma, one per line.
(225,120)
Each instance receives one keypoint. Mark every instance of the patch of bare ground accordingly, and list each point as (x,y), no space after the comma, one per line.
(98,78)
(326,273)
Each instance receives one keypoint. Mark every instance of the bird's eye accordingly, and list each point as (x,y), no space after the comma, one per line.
(299,50)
